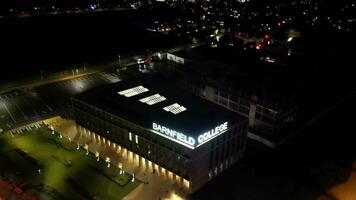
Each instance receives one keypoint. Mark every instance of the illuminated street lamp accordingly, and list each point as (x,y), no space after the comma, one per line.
(133,178)
(97,155)
(107,160)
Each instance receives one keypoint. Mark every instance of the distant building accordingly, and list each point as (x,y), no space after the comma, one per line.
(265,96)
(163,129)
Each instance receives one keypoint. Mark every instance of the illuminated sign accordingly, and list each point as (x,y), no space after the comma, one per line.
(212,133)
(174,135)
(186,140)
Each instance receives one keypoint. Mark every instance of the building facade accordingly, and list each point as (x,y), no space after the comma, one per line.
(267,113)
(161,136)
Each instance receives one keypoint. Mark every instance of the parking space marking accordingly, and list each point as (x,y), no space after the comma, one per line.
(20,110)
(9,113)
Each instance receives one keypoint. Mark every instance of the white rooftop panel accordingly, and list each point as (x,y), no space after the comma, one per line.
(175,108)
(133,91)
(153,99)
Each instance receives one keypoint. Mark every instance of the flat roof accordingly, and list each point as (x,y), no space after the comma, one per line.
(135,101)
(275,86)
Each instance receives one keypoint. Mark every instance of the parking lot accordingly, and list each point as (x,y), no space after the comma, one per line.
(25,106)
(19,106)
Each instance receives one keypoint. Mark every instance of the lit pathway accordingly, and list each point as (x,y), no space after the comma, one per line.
(347,190)
(154,186)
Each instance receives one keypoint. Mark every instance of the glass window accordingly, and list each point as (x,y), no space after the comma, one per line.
(244,102)
(258,115)
(233,106)
(244,110)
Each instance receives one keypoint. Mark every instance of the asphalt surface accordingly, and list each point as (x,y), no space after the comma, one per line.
(29,105)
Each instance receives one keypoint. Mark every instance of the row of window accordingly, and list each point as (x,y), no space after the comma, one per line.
(239,105)
(147,148)
(131,127)
(227,148)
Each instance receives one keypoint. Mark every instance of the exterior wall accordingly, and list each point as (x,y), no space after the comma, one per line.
(217,155)
(258,115)
(195,167)
(175,58)
(138,160)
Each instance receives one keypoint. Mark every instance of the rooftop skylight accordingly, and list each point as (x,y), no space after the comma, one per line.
(153,99)
(175,108)
(133,91)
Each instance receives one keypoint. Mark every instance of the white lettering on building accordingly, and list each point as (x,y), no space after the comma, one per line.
(212,133)
(177,136)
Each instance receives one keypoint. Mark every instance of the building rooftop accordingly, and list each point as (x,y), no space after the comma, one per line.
(273,87)
(152,99)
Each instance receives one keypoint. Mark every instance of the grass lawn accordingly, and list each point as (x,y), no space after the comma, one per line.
(113,172)
(59,162)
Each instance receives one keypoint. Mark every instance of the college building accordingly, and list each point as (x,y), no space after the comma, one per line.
(263,94)
(164,129)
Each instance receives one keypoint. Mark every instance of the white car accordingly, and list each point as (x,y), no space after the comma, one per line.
(268,59)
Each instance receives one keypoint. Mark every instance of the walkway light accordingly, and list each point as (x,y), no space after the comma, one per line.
(133,178)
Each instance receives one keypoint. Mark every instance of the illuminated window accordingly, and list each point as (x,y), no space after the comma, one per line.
(136,139)
(133,91)
(153,99)
(175,108)
(130,136)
